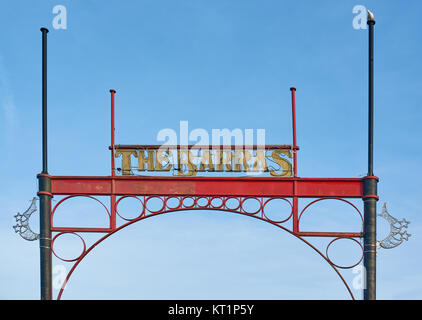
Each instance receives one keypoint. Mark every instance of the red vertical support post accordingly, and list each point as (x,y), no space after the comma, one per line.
(293,90)
(295,199)
(113,168)
(113,173)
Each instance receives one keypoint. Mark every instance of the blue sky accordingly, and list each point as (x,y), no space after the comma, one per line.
(217,64)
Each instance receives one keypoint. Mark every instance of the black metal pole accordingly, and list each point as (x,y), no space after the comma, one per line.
(370,183)
(371,23)
(44,193)
(44,100)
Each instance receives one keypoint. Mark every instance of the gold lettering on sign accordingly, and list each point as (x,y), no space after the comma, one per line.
(226,159)
(142,160)
(126,163)
(185,158)
(246,158)
(238,160)
(218,160)
(260,163)
(163,156)
(183,161)
(283,163)
(206,161)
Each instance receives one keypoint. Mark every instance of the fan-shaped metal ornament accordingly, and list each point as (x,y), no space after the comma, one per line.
(398,231)
(22,222)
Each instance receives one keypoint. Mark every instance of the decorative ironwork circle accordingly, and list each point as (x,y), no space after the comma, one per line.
(203,206)
(129,219)
(82,196)
(188,206)
(214,205)
(275,221)
(244,201)
(227,206)
(329,198)
(155,197)
(169,206)
(68,260)
(338,266)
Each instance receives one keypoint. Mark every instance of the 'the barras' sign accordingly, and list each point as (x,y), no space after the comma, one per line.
(190,160)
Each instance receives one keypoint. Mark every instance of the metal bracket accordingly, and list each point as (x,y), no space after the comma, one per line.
(397,230)
(22,222)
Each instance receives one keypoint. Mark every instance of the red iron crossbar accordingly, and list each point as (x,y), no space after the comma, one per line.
(208,186)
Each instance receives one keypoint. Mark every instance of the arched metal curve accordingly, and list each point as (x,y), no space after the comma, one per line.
(142,217)
(329,198)
(74,196)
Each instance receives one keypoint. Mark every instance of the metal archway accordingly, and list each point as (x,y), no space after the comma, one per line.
(206,204)
(289,186)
